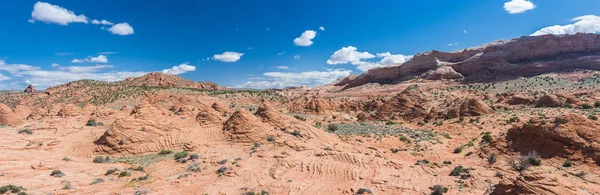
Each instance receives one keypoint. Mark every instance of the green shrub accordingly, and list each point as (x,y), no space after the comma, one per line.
(438,190)
(97,180)
(567,105)
(181,154)
(457,171)
(597,104)
(111,171)
(101,159)
(487,138)
(165,152)
(296,133)
(194,156)
(363,191)
(91,123)
(332,127)
(593,117)
(25,131)
(404,139)
(587,106)
(270,139)
(300,117)
(57,173)
(124,174)
(10,189)
(458,150)
(567,164)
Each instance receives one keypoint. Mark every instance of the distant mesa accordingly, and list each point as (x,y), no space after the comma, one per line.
(158,79)
(497,61)
(30,89)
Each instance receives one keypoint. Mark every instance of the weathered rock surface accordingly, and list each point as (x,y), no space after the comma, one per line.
(570,136)
(8,117)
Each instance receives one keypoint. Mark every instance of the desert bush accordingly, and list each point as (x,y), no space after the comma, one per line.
(534,158)
(296,133)
(270,139)
(222,170)
(332,127)
(25,131)
(593,117)
(10,189)
(194,156)
(486,138)
(165,152)
(300,117)
(363,191)
(101,159)
(457,171)
(194,168)
(438,190)
(57,173)
(97,180)
(587,106)
(125,174)
(492,158)
(111,171)
(181,155)
(519,163)
(597,104)
(567,164)
(91,123)
(458,150)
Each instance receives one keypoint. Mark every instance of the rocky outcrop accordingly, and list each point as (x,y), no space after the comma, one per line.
(69,110)
(412,103)
(469,107)
(30,89)
(8,117)
(539,182)
(166,80)
(442,72)
(145,130)
(244,127)
(550,100)
(22,112)
(520,100)
(569,136)
(220,107)
(525,56)
(312,105)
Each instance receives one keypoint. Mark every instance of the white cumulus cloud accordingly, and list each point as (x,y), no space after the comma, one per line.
(286,79)
(321,28)
(583,24)
(182,68)
(121,29)
(297,57)
(306,38)
(98,59)
(103,22)
(350,55)
(228,56)
(49,13)
(282,67)
(518,6)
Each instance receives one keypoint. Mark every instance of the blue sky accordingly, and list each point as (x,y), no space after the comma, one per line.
(56,41)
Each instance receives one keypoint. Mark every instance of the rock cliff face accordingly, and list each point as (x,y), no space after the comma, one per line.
(570,136)
(525,56)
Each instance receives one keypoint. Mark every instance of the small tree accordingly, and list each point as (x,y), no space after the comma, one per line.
(519,163)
